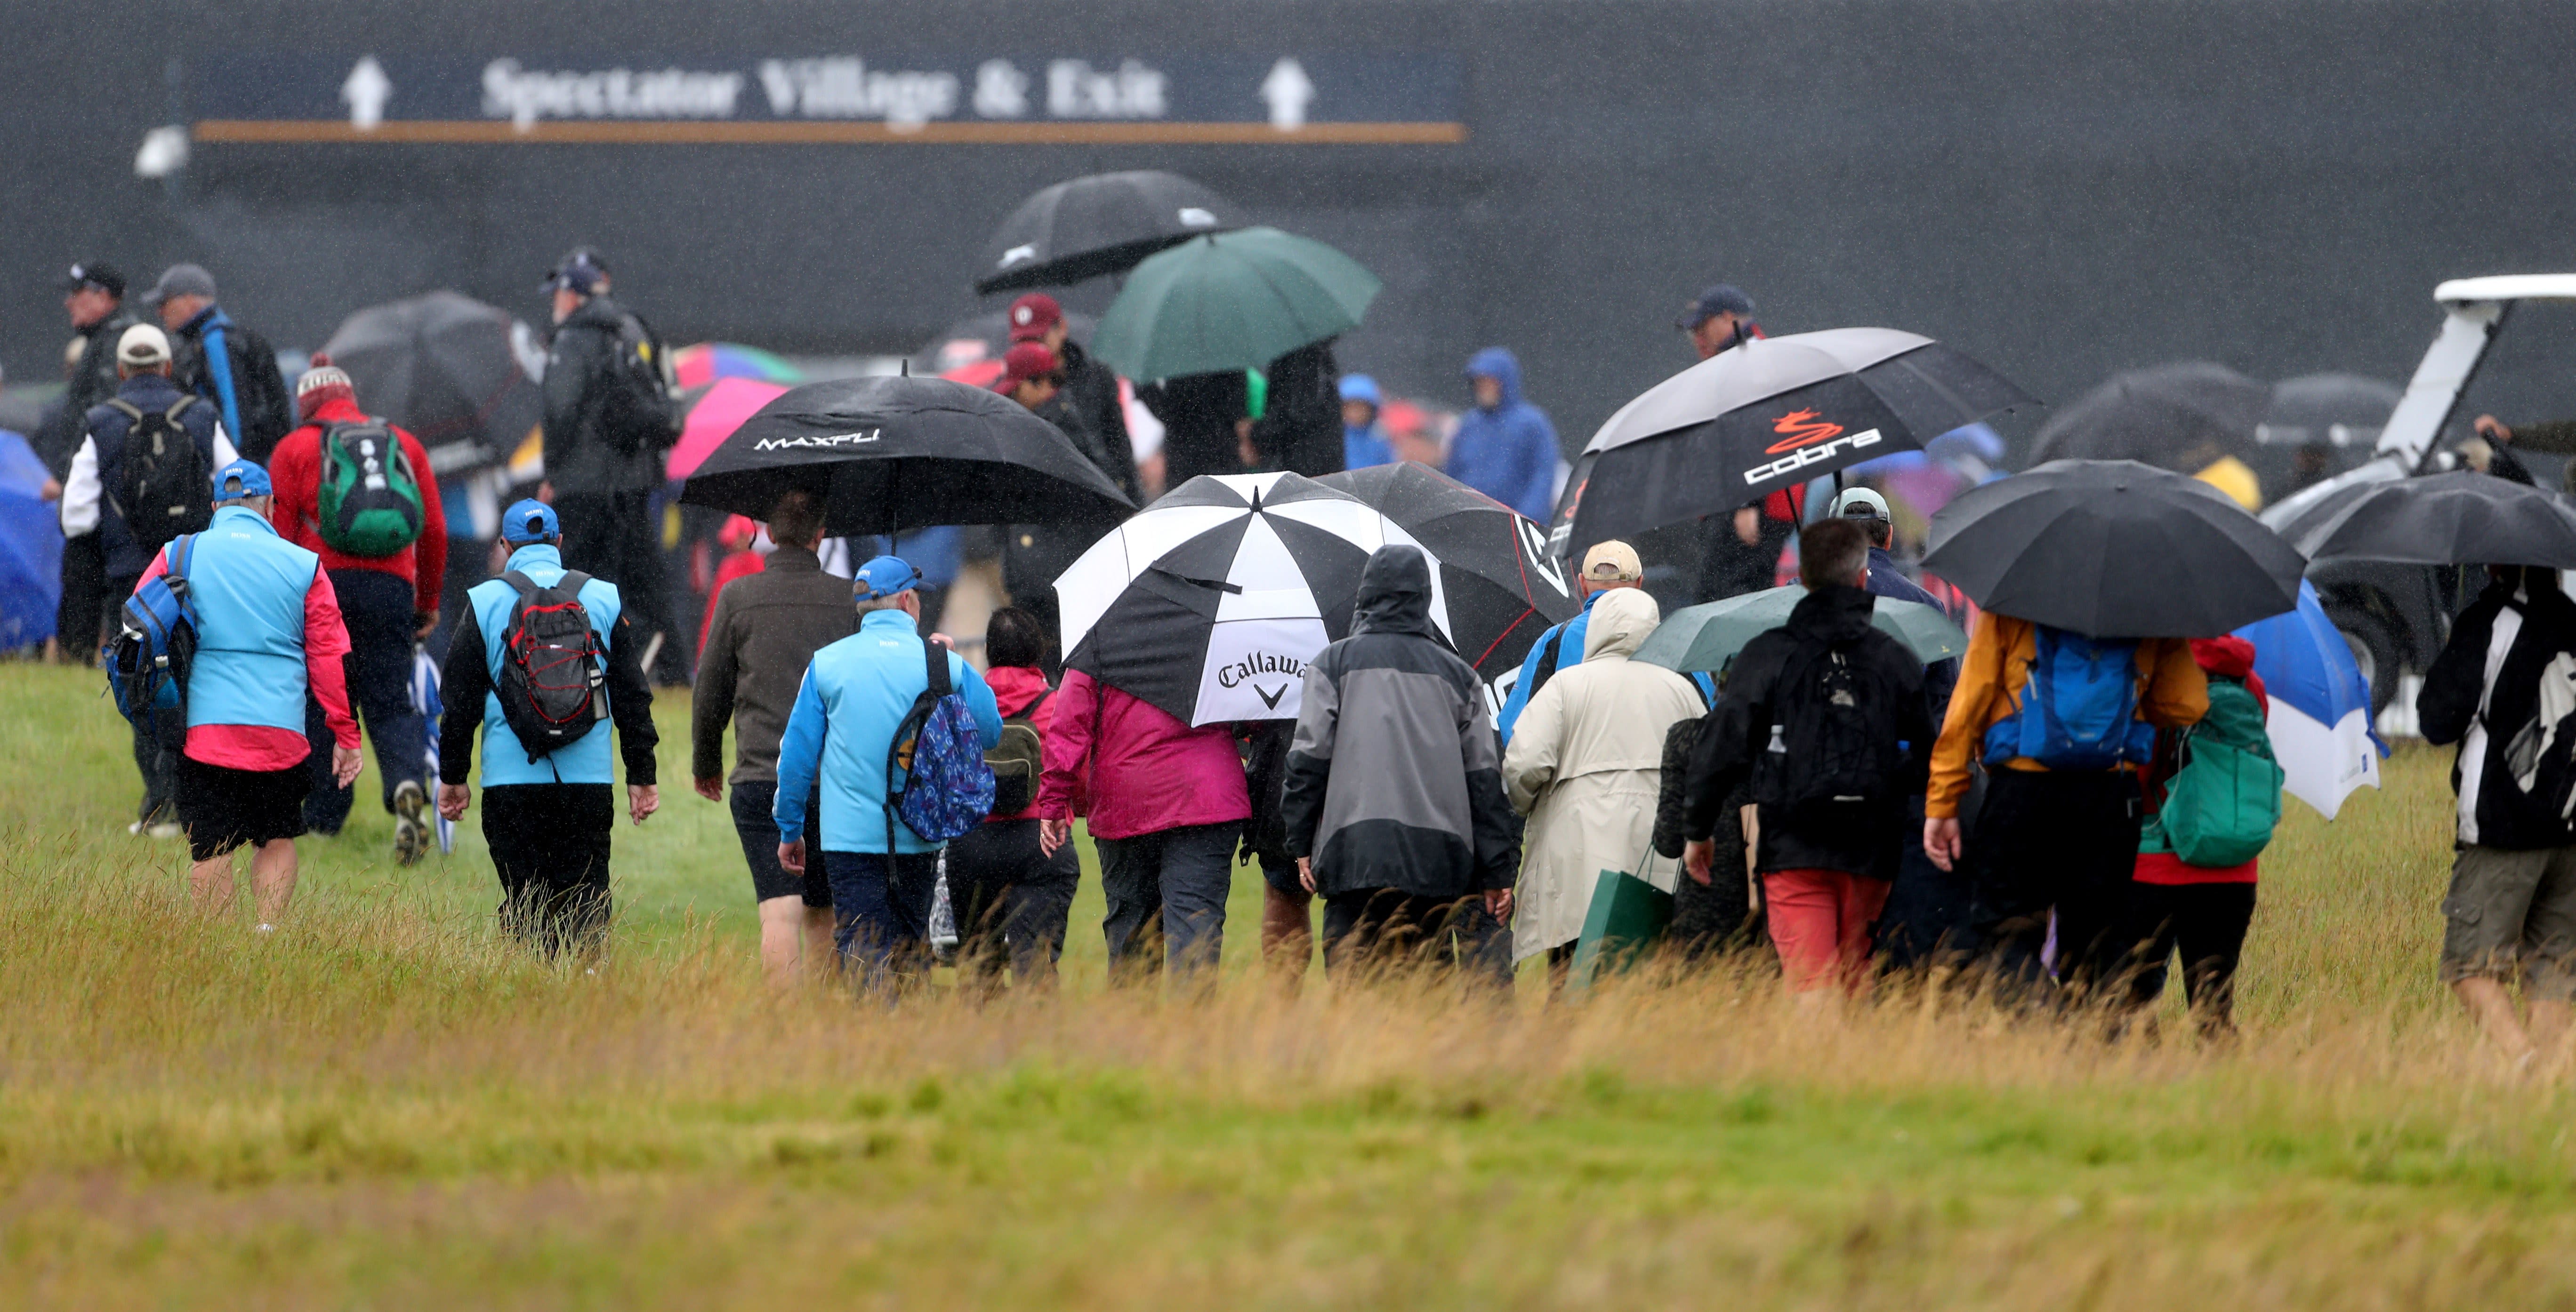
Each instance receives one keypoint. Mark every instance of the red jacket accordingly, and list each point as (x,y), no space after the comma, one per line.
(1132,768)
(1014,688)
(295,470)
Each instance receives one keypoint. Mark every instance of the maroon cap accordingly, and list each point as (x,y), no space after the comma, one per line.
(1032,315)
(1026,361)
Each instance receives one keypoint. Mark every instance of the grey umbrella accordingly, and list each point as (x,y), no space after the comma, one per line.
(2114,549)
(2459,518)
(450,368)
(2179,416)
(1096,225)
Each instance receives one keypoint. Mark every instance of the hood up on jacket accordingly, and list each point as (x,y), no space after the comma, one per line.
(1620,620)
(1833,613)
(1395,594)
(2231,655)
(1499,364)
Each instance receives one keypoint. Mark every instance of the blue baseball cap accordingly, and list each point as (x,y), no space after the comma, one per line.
(529,520)
(1360,387)
(884,577)
(240,479)
(1724,298)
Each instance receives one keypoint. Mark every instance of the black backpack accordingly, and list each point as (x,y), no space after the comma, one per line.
(553,673)
(1831,760)
(162,491)
(636,413)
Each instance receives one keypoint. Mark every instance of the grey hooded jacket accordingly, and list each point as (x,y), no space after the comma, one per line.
(1394,780)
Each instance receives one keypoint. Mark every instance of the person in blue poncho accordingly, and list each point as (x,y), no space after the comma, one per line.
(1505,447)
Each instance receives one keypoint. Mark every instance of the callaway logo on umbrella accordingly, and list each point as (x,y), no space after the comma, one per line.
(1210,603)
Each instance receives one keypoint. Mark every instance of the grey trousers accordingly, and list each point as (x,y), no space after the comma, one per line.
(1170,884)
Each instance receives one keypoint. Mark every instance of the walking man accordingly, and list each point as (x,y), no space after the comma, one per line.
(1607,567)
(358,492)
(227,365)
(762,635)
(134,484)
(1825,716)
(855,696)
(94,296)
(557,645)
(1393,804)
(608,425)
(2507,674)
(268,632)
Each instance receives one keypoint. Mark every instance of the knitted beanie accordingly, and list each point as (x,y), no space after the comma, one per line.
(323,382)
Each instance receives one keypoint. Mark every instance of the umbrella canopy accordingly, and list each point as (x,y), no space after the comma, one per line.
(1707,636)
(982,340)
(890,454)
(1102,224)
(2459,518)
(712,413)
(2114,549)
(1503,588)
(461,375)
(2320,717)
(1237,300)
(2337,410)
(1210,603)
(2180,416)
(1767,415)
(704,362)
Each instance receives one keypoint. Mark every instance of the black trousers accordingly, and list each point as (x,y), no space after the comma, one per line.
(550,845)
(1375,928)
(156,761)
(78,617)
(615,536)
(1926,917)
(2204,922)
(376,607)
(2062,841)
(1011,900)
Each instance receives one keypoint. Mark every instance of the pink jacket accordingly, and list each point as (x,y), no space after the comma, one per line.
(1133,769)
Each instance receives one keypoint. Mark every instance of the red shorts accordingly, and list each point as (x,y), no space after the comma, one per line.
(1820,922)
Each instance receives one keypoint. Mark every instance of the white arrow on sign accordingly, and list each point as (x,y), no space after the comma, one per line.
(1289,92)
(366,91)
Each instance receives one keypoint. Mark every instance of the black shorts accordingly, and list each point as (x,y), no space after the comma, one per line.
(755,820)
(223,808)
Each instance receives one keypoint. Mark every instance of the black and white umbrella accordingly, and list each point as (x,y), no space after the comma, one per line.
(1210,603)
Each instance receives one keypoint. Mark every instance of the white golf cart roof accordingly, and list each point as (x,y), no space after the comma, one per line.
(2508,287)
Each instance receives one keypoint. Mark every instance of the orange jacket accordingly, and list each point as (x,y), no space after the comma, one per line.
(2171,693)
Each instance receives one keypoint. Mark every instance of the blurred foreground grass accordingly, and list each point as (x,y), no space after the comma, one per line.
(382,1106)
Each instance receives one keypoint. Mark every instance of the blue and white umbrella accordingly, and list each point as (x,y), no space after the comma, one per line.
(2320,720)
(425,703)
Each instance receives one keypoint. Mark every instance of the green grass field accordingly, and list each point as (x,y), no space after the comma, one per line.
(382,1106)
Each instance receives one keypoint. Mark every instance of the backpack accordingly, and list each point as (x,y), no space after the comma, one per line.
(155,644)
(947,788)
(161,490)
(1018,760)
(1843,768)
(369,500)
(553,674)
(635,409)
(2221,804)
(2079,709)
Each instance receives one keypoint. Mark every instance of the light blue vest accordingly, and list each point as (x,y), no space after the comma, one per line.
(590,761)
(855,695)
(249,586)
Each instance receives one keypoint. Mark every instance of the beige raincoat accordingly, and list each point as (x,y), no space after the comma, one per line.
(1584,766)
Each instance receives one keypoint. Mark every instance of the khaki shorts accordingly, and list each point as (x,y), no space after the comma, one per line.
(2513,913)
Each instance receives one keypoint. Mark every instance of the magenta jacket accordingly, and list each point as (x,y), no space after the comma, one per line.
(1132,768)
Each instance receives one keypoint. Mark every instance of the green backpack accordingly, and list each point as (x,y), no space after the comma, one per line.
(2222,803)
(369,503)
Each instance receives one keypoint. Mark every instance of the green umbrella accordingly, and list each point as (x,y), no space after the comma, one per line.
(1230,300)
(1706,637)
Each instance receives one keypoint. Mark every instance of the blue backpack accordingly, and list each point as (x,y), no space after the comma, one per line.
(156,642)
(947,786)
(2079,711)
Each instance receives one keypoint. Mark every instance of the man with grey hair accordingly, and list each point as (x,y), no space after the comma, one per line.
(230,366)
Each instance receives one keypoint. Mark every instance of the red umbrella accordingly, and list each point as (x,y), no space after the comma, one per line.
(712,418)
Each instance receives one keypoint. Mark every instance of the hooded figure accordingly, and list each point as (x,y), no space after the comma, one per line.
(1585,766)
(1506,450)
(1393,783)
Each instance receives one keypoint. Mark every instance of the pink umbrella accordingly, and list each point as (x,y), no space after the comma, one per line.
(712,418)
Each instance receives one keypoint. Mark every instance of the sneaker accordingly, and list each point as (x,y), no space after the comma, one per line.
(263,927)
(411,827)
(166,829)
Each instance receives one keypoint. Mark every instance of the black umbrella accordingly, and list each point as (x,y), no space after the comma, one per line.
(2459,518)
(1098,225)
(1767,415)
(2181,416)
(1502,587)
(2114,549)
(2337,410)
(894,454)
(461,375)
